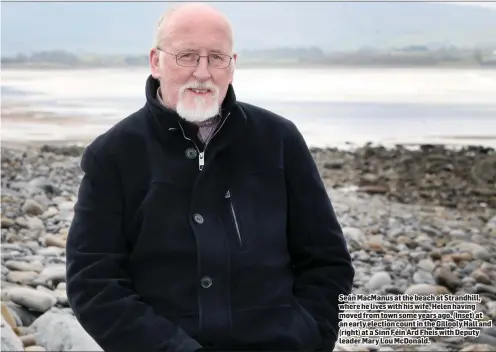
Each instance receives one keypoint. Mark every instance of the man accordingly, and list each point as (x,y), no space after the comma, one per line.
(202,222)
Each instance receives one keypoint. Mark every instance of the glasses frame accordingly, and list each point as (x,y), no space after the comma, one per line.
(198,60)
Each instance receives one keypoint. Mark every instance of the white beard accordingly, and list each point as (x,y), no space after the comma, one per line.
(202,108)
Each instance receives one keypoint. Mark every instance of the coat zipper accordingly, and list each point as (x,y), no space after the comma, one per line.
(201,155)
(233,213)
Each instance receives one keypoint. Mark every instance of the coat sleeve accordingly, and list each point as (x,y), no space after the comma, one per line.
(321,261)
(99,290)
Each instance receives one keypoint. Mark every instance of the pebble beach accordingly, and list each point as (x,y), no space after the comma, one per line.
(416,220)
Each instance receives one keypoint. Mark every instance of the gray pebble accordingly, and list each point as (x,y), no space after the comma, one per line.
(378,280)
(426,265)
(423,277)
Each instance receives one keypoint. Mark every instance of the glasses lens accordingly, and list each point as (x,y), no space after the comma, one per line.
(187,59)
(214,60)
(218,60)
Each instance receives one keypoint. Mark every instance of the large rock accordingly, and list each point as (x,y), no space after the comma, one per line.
(30,298)
(60,331)
(10,341)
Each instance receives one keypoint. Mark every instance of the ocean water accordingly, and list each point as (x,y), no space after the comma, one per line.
(331,107)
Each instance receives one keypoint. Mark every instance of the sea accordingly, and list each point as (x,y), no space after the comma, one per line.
(332,107)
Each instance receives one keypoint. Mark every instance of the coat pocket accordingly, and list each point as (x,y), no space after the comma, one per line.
(234,217)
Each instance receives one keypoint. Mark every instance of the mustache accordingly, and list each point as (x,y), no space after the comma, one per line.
(200,85)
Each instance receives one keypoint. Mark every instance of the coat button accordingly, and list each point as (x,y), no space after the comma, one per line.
(198,218)
(206,281)
(191,153)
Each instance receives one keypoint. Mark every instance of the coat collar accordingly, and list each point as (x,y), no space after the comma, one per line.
(169,122)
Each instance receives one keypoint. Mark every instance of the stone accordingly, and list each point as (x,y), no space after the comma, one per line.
(31,298)
(21,277)
(51,251)
(58,331)
(482,277)
(334,164)
(18,265)
(7,315)
(489,331)
(35,223)
(28,340)
(7,223)
(59,295)
(478,348)
(32,207)
(432,347)
(478,251)
(436,254)
(22,315)
(486,340)
(66,206)
(490,227)
(10,341)
(426,289)
(52,274)
(55,241)
(458,234)
(485,288)
(491,309)
(376,246)
(338,347)
(378,280)
(423,277)
(49,213)
(460,257)
(354,237)
(446,278)
(426,265)
(385,349)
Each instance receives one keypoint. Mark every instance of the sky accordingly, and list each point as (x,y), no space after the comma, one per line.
(127,27)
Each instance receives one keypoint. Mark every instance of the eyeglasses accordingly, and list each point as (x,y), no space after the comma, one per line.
(189,59)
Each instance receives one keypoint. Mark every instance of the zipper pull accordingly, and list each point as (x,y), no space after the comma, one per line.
(201,160)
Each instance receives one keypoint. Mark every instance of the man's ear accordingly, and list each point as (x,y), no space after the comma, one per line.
(233,67)
(154,60)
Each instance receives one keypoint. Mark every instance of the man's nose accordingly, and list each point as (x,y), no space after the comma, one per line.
(202,70)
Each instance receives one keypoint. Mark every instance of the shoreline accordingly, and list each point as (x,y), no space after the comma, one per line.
(23,128)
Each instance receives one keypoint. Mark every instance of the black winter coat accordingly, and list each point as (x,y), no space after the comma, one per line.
(177,248)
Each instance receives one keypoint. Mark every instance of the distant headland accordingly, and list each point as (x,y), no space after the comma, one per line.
(408,56)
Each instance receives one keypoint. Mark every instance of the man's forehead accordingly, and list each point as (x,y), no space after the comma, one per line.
(194,41)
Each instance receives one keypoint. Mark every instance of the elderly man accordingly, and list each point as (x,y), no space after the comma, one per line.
(201,221)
